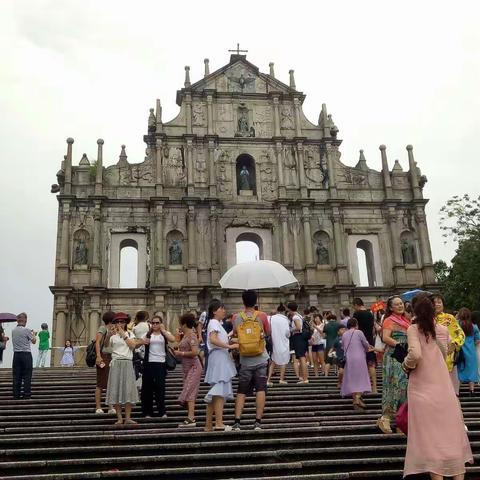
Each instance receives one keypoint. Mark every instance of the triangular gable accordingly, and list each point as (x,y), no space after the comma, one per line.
(239,75)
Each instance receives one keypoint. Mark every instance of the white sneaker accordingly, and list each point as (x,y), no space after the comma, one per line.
(112,411)
(269,384)
(282,382)
(99,411)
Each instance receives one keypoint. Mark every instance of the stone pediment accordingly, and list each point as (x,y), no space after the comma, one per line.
(238,76)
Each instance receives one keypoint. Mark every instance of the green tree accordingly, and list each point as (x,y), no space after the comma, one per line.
(460,220)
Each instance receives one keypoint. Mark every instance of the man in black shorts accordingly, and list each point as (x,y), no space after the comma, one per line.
(366,323)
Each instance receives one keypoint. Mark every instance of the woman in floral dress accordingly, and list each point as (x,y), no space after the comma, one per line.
(395,381)
(188,350)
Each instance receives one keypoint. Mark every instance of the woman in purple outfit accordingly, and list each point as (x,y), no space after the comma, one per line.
(356,379)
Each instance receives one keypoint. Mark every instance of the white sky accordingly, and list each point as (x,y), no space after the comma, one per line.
(390,72)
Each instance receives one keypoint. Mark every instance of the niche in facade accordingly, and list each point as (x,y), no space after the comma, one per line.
(81,249)
(409,251)
(246,177)
(322,248)
(175,249)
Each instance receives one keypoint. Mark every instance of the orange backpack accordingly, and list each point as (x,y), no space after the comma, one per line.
(250,336)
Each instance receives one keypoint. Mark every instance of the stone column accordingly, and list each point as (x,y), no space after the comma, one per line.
(190,167)
(417,192)
(60,328)
(159,246)
(387,181)
(276,116)
(64,265)
(298,126)
(192,247)
(427,269)
(188,113)
(67,189)
(331,152)
(214,244)
(95,273)
(99,168)
(286,254)
(210,129)
(301,169)
(93,324)
(282,193)
(159,167)
(398,266)
(340,254)
(307,235)
(212,178)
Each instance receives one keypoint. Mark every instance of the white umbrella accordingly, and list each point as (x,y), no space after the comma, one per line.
(257,275)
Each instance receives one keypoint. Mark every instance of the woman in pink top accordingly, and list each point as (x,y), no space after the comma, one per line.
(437,442)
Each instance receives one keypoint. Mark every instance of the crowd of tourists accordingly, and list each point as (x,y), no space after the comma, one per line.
(425,353)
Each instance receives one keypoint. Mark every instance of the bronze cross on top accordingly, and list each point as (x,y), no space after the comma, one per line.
(237,51)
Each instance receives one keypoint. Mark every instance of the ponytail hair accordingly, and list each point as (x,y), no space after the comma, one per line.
(465,319)
(424,315)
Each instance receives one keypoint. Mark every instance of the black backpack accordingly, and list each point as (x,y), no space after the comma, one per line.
(91,352)
(307,330)
(91,355)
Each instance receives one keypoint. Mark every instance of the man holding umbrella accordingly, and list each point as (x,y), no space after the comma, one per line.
(22,339)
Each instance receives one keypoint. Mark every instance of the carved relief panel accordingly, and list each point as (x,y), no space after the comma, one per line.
(174,167)
(223,163)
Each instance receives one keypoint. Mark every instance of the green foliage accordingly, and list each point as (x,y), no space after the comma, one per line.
(460,219)
(441,270)
(462,285)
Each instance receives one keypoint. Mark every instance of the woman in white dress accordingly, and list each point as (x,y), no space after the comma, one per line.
(220,369)
(280,327)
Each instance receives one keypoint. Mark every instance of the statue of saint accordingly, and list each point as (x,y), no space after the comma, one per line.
(244,180)
(323,257)
(408,252)
(152,121)
(175,253)
(243,124)
(81,253)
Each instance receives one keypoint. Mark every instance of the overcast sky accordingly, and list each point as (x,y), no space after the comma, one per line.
(390,72)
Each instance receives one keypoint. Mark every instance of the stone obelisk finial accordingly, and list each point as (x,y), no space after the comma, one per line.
(207,66)
(187,77)
(292,79)
(272,70)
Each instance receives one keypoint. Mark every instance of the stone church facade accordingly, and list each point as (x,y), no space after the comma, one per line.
(239,162)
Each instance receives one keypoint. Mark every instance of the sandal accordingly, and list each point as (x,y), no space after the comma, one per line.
(130,422)
(119,422)
(188,422)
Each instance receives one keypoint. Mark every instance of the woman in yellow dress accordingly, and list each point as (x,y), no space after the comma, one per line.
(457,337)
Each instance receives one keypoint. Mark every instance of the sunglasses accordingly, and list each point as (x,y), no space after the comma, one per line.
(156,323)
(120,321)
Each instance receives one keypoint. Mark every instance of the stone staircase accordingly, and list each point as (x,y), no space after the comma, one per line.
(309,432)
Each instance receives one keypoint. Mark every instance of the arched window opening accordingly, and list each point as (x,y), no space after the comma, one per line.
(247,252)
(366,264)
(362,267)
(246,175)
(249,247)
(128,264)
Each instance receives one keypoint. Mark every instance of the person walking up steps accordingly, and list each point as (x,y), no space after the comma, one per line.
(437,442)
(43,346)
(280,328)
(468,364)
(250,327)
(366,323)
